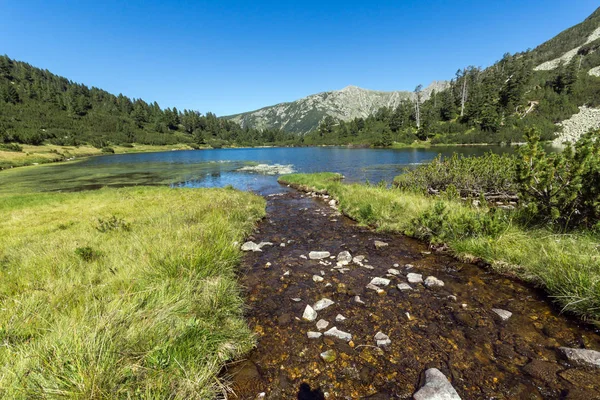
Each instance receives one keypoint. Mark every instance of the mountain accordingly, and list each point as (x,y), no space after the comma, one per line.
(304,115)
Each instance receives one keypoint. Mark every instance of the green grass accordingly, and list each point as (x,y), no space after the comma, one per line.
(567,266)
(121,293)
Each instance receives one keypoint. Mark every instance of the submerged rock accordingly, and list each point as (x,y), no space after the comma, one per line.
(329,356)
(379,244)
(379,282)
(340,318)
(323,304)
(318,255)
(344,257)
(414,278)
(437,387)
(358,300)
(314,335)
(393,271)
(322,324)
(404,286)
(250,246)
(317,278)
(382,339)
(358,259)
(433,282)
(582,357)
(335,332)
(375,288)
(309,314)
(503,314)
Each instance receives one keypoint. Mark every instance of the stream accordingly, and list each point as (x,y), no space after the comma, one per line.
(452,328)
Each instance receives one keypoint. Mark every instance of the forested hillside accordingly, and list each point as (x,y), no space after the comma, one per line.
(492,105)
(38,107)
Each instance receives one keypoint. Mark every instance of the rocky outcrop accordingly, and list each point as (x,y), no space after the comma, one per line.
(579,124)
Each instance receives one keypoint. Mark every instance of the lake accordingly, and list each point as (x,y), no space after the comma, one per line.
(221,167)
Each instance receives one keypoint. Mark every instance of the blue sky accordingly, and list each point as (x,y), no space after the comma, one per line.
(233,56)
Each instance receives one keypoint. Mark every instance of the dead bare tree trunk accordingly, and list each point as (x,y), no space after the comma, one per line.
(418,105)
(463,98)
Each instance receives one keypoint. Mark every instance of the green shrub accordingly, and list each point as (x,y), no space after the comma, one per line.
(11,147)
(560,189)
(87,254)
(468,176)
(108,150)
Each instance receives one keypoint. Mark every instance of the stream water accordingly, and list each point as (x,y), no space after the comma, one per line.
(483,356)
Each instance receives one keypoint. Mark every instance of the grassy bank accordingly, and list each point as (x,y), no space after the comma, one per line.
(567,266)
(121,293)
(31,155)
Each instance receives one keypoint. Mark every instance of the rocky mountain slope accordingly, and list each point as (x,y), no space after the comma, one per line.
(304,115)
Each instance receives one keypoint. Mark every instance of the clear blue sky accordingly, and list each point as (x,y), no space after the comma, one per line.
(232,56)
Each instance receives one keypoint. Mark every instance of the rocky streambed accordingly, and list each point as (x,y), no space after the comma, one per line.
(343,312)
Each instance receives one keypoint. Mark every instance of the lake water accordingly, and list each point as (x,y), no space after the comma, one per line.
(221,167)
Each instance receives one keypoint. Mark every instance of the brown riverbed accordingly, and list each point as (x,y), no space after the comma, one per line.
(483,356)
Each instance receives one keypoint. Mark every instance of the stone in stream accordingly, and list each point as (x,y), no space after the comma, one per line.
(344,257)
(336,333)
(303,256)
(358,300)
(329,356)
(379,281)
(382,339)
(358,260)
(503,314)
(317,278)
(263,244)
(314,335)
(393,271)
(414,278)
(332,203)
(581,357)
(339,318)
(368,267)
(375,288)
(433,282)
(437,387)
(322,324)
(250,246)
(404,286)
(379,244)
(318,255)
(309,314)
(296,299)
(323,304)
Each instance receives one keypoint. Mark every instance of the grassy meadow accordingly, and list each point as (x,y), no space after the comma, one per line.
(566,265)
(121,293)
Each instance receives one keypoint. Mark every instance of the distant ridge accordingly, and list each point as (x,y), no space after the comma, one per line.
(304,115)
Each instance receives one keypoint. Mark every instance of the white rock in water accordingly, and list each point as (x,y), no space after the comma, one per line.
(404,286)
(380,281)
(263,244)
(503,314)
(375,288)
(432,282)
(296,299)
(318,255)
(396,265)
(437,387)
(281,244)
(382,339)
(317,278)
(302,256)
(322,324)
(250,246)
(344,257)
(368,267)
(393,271)
(340,318)
(582,357)
(261,396)
(332,202)
(314,335)
(414,278)
(358,259)
(323,304)
(358,300)
(309,314)
(379,244)
(409,266)
(335,332)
